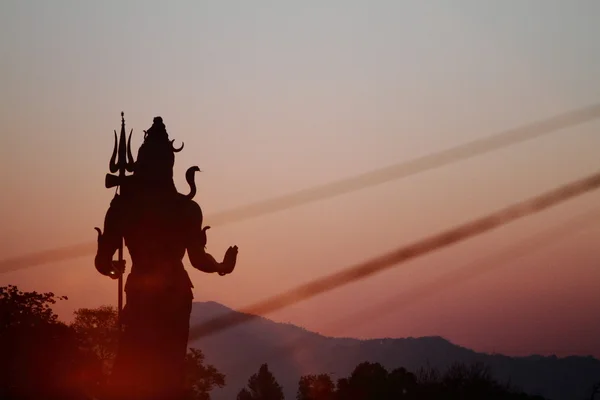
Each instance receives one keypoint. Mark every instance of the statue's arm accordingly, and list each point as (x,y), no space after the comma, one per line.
(196,247)
(110,240)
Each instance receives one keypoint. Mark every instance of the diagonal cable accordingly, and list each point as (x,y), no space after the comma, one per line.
(405,253)
(404,169)
(472,270)
(363,181)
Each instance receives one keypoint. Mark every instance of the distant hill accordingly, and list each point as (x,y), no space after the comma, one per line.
(292,351)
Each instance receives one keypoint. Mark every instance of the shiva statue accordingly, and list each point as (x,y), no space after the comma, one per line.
(158,225)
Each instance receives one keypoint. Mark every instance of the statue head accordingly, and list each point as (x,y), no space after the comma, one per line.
(156,155)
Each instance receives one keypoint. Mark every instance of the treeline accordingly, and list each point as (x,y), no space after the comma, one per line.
(44,358)
(371,381)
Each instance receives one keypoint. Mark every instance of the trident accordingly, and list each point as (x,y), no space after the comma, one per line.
(120,161)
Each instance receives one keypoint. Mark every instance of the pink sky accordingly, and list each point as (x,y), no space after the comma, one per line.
(266,106)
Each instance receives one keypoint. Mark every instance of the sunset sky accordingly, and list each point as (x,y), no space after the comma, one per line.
(272,97)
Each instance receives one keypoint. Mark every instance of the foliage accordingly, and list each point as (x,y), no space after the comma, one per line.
(371,381)
(98,331)
(26,309)
(262,386)
(201,379)
(595,393)
(316,387)
(47,359)
(42,356)
(244,394)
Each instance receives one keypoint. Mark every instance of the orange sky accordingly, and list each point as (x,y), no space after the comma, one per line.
(267,105)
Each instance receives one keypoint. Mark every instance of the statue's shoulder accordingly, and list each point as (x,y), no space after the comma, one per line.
(189,206)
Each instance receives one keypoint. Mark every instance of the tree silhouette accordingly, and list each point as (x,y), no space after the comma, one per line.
(595,394)
(201,379)
(371,381)
(42,358)
(98,331)
(316,387)
(428,382)
(402,384)
(26,309)
(466,382)
(367,381)
(472,381)
(244,394)
(262,386)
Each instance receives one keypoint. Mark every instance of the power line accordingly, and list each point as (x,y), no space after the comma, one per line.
(404,169)
(471,271)
(348,185)
(419,248)
(448,280)
(47,256)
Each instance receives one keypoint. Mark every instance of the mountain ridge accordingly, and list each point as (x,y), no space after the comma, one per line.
(292,351)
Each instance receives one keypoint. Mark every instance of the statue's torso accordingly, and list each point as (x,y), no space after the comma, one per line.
(156,230)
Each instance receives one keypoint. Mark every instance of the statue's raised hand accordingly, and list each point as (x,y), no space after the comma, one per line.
(228,264)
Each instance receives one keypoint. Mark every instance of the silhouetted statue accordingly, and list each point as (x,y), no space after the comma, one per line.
(158,225)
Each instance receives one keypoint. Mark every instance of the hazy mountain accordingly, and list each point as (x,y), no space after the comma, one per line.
(292,351)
